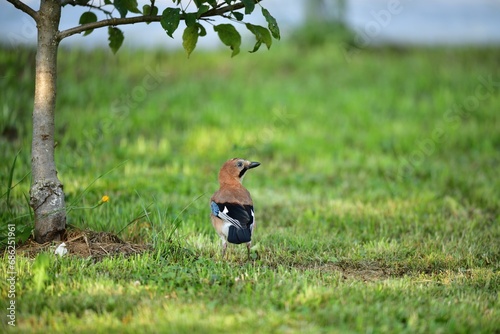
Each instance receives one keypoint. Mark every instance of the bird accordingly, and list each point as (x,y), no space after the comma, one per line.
(232,212)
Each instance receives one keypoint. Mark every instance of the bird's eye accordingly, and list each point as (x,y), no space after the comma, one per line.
(239,164)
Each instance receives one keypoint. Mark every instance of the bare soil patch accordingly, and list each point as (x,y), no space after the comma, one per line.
(85,243)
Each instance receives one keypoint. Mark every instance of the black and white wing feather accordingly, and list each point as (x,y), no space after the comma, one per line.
(241,216)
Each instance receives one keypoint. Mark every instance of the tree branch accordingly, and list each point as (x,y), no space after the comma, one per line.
(25,8)
(75,3)
(106,23)
(225,9)
(141,19)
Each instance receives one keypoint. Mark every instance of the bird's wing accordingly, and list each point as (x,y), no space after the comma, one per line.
(240,216)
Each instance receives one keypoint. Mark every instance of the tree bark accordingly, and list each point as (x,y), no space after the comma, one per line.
(46,193)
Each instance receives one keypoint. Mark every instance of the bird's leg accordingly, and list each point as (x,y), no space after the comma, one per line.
(249,244)
(224,246)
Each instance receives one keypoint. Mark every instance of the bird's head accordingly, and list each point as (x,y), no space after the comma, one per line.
(233,170)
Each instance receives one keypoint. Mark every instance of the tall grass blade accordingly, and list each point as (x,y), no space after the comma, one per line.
(30,211)
(11,176)
(176,222)
(78,198)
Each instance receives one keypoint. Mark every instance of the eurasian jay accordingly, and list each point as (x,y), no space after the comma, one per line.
(232,207)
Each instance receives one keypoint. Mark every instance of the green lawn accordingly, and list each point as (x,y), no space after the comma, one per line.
(377,201)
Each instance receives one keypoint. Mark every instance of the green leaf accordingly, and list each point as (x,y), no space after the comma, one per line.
(121,7)
(272,24)
(148,10)
(125,6)
(261,34)
(131,6)
(87,17)
(212,3)
(202,30)
(229,36)
(190,19)
(190,38)
(249,6)
(202,9)
(115,38)
(256,46)
(238,16)
(170,19)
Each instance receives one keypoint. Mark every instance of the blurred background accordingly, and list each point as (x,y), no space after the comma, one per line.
(423,22)
(384,102)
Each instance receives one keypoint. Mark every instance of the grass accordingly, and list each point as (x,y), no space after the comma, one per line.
(377,200)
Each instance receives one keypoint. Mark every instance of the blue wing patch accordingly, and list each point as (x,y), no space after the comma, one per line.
(215,208)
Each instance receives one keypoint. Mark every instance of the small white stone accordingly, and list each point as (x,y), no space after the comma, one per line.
(61,250)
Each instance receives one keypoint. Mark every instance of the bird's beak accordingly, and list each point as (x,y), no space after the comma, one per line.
(253,164)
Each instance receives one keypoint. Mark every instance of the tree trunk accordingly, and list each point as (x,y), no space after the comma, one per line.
(47,195)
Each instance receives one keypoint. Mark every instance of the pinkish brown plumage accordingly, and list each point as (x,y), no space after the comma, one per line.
(232,206)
